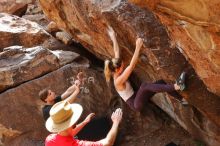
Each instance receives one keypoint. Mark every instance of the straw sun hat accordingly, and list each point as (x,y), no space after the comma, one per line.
(62,116)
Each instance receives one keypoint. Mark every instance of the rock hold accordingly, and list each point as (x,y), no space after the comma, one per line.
(52,27)
(64,37)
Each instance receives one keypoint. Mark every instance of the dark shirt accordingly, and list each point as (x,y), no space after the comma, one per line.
(46,108)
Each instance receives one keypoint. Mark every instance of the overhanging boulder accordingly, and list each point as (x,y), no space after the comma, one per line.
(87,22)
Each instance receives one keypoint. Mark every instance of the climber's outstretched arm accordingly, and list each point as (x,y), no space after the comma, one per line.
(111,33)
(127,72)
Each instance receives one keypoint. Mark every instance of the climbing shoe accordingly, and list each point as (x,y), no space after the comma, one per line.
(181,81)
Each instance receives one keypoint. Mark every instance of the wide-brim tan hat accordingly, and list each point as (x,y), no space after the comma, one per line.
(70,113)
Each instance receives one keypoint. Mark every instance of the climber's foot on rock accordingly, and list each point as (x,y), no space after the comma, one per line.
(180,82)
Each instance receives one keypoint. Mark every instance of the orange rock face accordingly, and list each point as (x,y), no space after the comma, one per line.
(173,41)
(15,7)
(194,27)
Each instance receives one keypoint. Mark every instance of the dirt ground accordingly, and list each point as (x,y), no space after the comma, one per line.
(154,129)
(169,132)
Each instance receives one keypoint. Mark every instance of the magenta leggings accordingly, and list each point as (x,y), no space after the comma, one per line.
(147,90)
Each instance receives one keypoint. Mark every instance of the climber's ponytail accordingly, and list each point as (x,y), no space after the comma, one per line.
(111,66)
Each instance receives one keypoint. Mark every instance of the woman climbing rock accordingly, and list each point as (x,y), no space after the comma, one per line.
(137,99)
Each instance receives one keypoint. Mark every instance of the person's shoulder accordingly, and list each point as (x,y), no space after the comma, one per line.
(46,107)
(50,139)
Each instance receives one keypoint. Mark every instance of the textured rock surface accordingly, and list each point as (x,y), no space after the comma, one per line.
(18,64)
(22,101)
(162,56)
(64,37)
(5,132)
(95,96)
(52,27)
(15,7)
(194,27)
(18,31)
(34,13)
